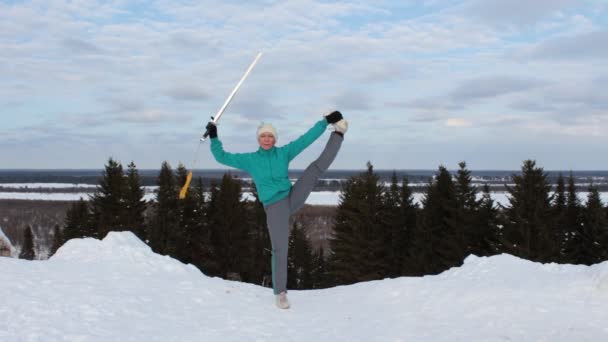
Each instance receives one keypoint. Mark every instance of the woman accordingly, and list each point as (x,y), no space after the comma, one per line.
(268,167)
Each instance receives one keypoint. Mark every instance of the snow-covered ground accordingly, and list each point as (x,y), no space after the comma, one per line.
(117,289)
(45,185)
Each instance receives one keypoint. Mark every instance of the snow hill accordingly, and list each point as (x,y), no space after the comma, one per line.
(117,289)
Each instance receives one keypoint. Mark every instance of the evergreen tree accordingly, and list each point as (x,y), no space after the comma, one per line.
(468,207)
(594,232)
(229,229)
(527,231)
(299,260)
(213,266)
(486,242)
(400,223)
(198,248)
(409,213)
(181,235)
(27,250)
(320,278)
(394,222)
(440,241)
(108,203)
(77,224)
(135,204)
(559,216)
(165,222)
(358,245)
(574,251)
(466,194)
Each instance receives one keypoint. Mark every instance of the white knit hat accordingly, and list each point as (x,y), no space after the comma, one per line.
(267,128)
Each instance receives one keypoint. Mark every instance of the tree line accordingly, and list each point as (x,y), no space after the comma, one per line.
(379,231)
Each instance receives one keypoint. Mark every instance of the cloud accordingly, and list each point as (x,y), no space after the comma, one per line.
(581,47)
(47,133)
(426,110)
(491,87)
(530,104)
(353,100)
(471,93)
(516,13)
(80,46)
(187,93)
(458,122)
(149,116)
(256,109)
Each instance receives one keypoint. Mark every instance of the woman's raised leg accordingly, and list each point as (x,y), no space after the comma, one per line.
(302,188)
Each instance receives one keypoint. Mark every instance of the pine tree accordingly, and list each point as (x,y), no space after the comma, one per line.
(77,222)
(399,220)
(487,238)
(320,277)
(440,241)
(559,215)
(299,260)
(574,251)
(468,207)
(187,217)
(528,230)
(135,205)
(108,202)
(409,214)
(27,250)
(394,222)
(198,246)
(229,229)
(165,222)
(594,229)
(466,194)
(358,245)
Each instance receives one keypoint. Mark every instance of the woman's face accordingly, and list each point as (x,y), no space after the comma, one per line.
(266,141)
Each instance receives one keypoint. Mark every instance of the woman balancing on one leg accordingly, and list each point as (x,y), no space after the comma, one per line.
(268,167)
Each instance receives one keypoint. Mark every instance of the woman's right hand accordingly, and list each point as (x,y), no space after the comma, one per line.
(212,129)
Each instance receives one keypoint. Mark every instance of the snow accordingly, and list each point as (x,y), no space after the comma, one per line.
(331,198)
(5,241)
(118,289)
(45,185)
(55,196)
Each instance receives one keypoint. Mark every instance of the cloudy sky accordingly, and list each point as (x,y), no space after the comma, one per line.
(423,83)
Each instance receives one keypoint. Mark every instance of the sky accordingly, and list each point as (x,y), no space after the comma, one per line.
(422,83)
(117,289)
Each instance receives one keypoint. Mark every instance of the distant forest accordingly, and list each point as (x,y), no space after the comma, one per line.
(332,180)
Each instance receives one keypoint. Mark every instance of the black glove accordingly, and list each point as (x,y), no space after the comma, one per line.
(211,129)
(333,117)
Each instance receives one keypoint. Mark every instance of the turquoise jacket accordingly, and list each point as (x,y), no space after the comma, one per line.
(268,168)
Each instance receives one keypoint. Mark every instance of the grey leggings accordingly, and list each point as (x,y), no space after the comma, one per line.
(277,214)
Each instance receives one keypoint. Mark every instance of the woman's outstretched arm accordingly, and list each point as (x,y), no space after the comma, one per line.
(300,144)
(236,160)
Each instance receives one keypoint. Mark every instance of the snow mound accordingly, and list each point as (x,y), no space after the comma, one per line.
(121,249)
(116,245)
(6,247)
(509,272)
